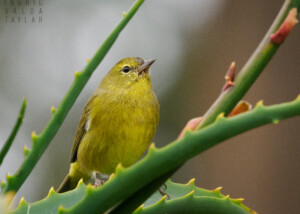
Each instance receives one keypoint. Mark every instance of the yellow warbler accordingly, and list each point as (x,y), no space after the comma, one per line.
(117,124)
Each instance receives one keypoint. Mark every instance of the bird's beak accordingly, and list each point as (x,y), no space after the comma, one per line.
(144,68)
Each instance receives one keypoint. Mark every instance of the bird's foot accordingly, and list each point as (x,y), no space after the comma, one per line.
(162,192)
(98,182)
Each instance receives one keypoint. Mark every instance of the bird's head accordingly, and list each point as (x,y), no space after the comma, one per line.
(128,72)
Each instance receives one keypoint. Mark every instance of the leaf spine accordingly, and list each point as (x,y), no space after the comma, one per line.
(259,103)
(22,202)
(191,182)
(25,150)
(53,109)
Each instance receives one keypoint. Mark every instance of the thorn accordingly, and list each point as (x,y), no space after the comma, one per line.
(218,190)
(25,150)
(60,209)
(220,116)
(124,14)
(275,121)
(22,202)
(238,200)
(191,182)
(252,211)
(88,60)
(190,194)
(119,168)
(3,185)
(162,199)
(53,109)
(25,100)
(51,191)
(33,136)
(229,77)
(298,97)
(152,148)
(227,196)
(111,176)
(140,208)
(80,182)
(76,73)
(8,177)
(285,28)
(259,103)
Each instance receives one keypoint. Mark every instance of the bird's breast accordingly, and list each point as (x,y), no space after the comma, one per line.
(120,130)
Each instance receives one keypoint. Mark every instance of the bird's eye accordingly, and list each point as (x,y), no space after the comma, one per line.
(126,69)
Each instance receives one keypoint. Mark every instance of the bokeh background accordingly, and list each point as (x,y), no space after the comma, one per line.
(194,42)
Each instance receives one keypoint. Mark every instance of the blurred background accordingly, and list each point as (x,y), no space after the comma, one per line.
(194,42)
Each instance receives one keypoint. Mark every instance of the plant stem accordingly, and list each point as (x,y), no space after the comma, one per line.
(247,76)
(251,70)
(42,141)
(14,131)
(158,162)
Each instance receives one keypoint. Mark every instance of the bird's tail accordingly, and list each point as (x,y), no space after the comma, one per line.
(71,180)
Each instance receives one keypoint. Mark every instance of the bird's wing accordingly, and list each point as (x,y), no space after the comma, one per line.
(81,129)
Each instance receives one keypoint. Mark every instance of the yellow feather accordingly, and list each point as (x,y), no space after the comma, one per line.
(118,121)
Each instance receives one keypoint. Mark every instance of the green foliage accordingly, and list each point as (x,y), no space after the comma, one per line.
(160,161)
(195,204)
(251,70)
(14,131)
(52,202)
(180,194)
(183,191)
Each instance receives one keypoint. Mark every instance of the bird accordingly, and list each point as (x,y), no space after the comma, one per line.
(117,124)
